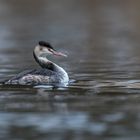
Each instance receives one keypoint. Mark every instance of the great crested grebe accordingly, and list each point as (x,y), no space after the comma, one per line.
(50,73)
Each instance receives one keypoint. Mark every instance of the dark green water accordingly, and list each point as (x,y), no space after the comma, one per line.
(102,40)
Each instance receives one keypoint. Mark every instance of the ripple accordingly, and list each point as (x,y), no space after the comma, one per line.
(73,121)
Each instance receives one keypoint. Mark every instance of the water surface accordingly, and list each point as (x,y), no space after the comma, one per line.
(102,40)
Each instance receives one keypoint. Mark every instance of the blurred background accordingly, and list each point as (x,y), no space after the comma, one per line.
(102,40)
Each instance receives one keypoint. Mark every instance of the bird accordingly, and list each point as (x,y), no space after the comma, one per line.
(49,73)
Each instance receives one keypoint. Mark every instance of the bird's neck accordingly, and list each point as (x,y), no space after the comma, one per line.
(45,63)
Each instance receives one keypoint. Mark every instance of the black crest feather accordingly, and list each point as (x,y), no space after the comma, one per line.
(46,44)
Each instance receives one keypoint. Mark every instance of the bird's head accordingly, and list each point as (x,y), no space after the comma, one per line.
(44,48)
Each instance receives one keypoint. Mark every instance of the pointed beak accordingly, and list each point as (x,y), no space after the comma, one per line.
(59,54)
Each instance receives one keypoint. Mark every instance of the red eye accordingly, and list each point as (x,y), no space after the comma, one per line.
(49,50)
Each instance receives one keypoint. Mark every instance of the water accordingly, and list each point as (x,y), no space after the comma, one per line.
(102,41)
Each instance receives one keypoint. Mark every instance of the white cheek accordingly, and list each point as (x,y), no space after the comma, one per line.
(37,50)
(41,52)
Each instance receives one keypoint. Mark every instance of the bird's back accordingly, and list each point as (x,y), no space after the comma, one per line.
(32,77)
